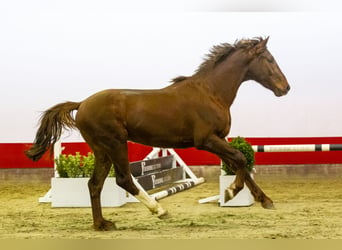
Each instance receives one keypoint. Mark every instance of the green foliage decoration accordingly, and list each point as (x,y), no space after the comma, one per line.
(246,149)
(77,166)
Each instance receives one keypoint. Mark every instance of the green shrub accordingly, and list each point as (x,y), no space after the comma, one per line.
(246,149)
(77,166)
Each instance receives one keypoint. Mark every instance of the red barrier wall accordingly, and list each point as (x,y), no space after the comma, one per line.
(12,156)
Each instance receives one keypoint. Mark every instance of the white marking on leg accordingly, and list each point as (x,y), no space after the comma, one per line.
(228,194)
(151,204)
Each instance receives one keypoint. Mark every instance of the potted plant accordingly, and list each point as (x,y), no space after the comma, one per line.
(244,197)
(70,187)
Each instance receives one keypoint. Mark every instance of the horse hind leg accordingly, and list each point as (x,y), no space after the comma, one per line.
(95,185)
(151,204)
(124,180)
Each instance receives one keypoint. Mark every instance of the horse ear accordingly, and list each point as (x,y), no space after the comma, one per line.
(260,47)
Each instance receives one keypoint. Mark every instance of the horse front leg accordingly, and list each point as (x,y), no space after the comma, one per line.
(258,194)
(232,157)
(237,161)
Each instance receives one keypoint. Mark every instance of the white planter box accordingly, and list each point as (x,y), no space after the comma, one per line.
(74,192)
(243,198)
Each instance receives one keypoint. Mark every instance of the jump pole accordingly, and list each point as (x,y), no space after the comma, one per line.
(177,188)
(298,148)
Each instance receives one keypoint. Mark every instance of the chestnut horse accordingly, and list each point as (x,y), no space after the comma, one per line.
(191,112)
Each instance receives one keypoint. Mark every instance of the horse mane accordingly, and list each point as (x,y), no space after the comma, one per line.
(179,79)
(218,53)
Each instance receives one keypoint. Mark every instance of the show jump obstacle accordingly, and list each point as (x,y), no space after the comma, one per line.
(154,172)
(160,168)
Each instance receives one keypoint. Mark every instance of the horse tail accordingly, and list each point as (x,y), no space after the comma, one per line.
(52,123)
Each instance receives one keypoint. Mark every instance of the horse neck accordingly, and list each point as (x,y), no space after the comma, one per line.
(225,80)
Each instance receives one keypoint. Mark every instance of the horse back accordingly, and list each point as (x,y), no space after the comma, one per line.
(164,118)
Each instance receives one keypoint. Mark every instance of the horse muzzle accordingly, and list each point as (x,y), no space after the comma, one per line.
(282,91)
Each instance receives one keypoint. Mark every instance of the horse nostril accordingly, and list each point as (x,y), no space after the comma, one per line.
(288,88)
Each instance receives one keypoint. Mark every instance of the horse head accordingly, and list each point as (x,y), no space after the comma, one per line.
(264,69)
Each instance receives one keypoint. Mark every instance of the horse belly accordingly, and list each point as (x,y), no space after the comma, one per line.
(160,133)
(158,118)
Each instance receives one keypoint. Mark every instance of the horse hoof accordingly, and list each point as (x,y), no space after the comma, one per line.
(228,195)
(105,226)
(159,211)
(163,215)
(268,205)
